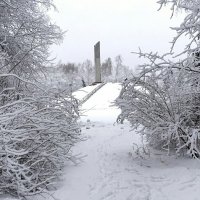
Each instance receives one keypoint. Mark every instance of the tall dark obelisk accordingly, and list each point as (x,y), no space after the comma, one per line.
(97,61)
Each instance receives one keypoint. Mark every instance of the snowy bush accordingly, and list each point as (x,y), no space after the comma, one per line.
(166,111)
(38,125)
(163,101)
(36,136)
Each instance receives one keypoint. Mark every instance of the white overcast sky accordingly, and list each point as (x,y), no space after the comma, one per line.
(120,25)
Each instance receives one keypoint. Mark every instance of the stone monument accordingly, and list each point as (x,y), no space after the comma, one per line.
(97,62)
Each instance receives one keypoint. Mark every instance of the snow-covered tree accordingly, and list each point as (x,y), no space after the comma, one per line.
(86,72)
(162,101)
(25,35)
(106,68)
(38,124)
(118,67)
(121,71)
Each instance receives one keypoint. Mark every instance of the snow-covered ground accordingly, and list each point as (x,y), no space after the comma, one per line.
(81,93)
(112,171)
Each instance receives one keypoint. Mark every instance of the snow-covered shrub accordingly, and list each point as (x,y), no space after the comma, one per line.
(163,100)
(36,136)
(163,103)
(38,126)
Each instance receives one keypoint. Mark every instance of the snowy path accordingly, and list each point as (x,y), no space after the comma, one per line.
(111,171)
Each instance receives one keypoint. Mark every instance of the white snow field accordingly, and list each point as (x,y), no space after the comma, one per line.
(112,171)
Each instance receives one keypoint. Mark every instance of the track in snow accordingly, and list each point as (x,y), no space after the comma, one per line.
(111,170)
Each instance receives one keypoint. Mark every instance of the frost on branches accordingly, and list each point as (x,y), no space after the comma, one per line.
(163,101)
(36,136)
(38,126)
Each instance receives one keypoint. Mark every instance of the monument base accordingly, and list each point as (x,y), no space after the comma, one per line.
(95,83)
